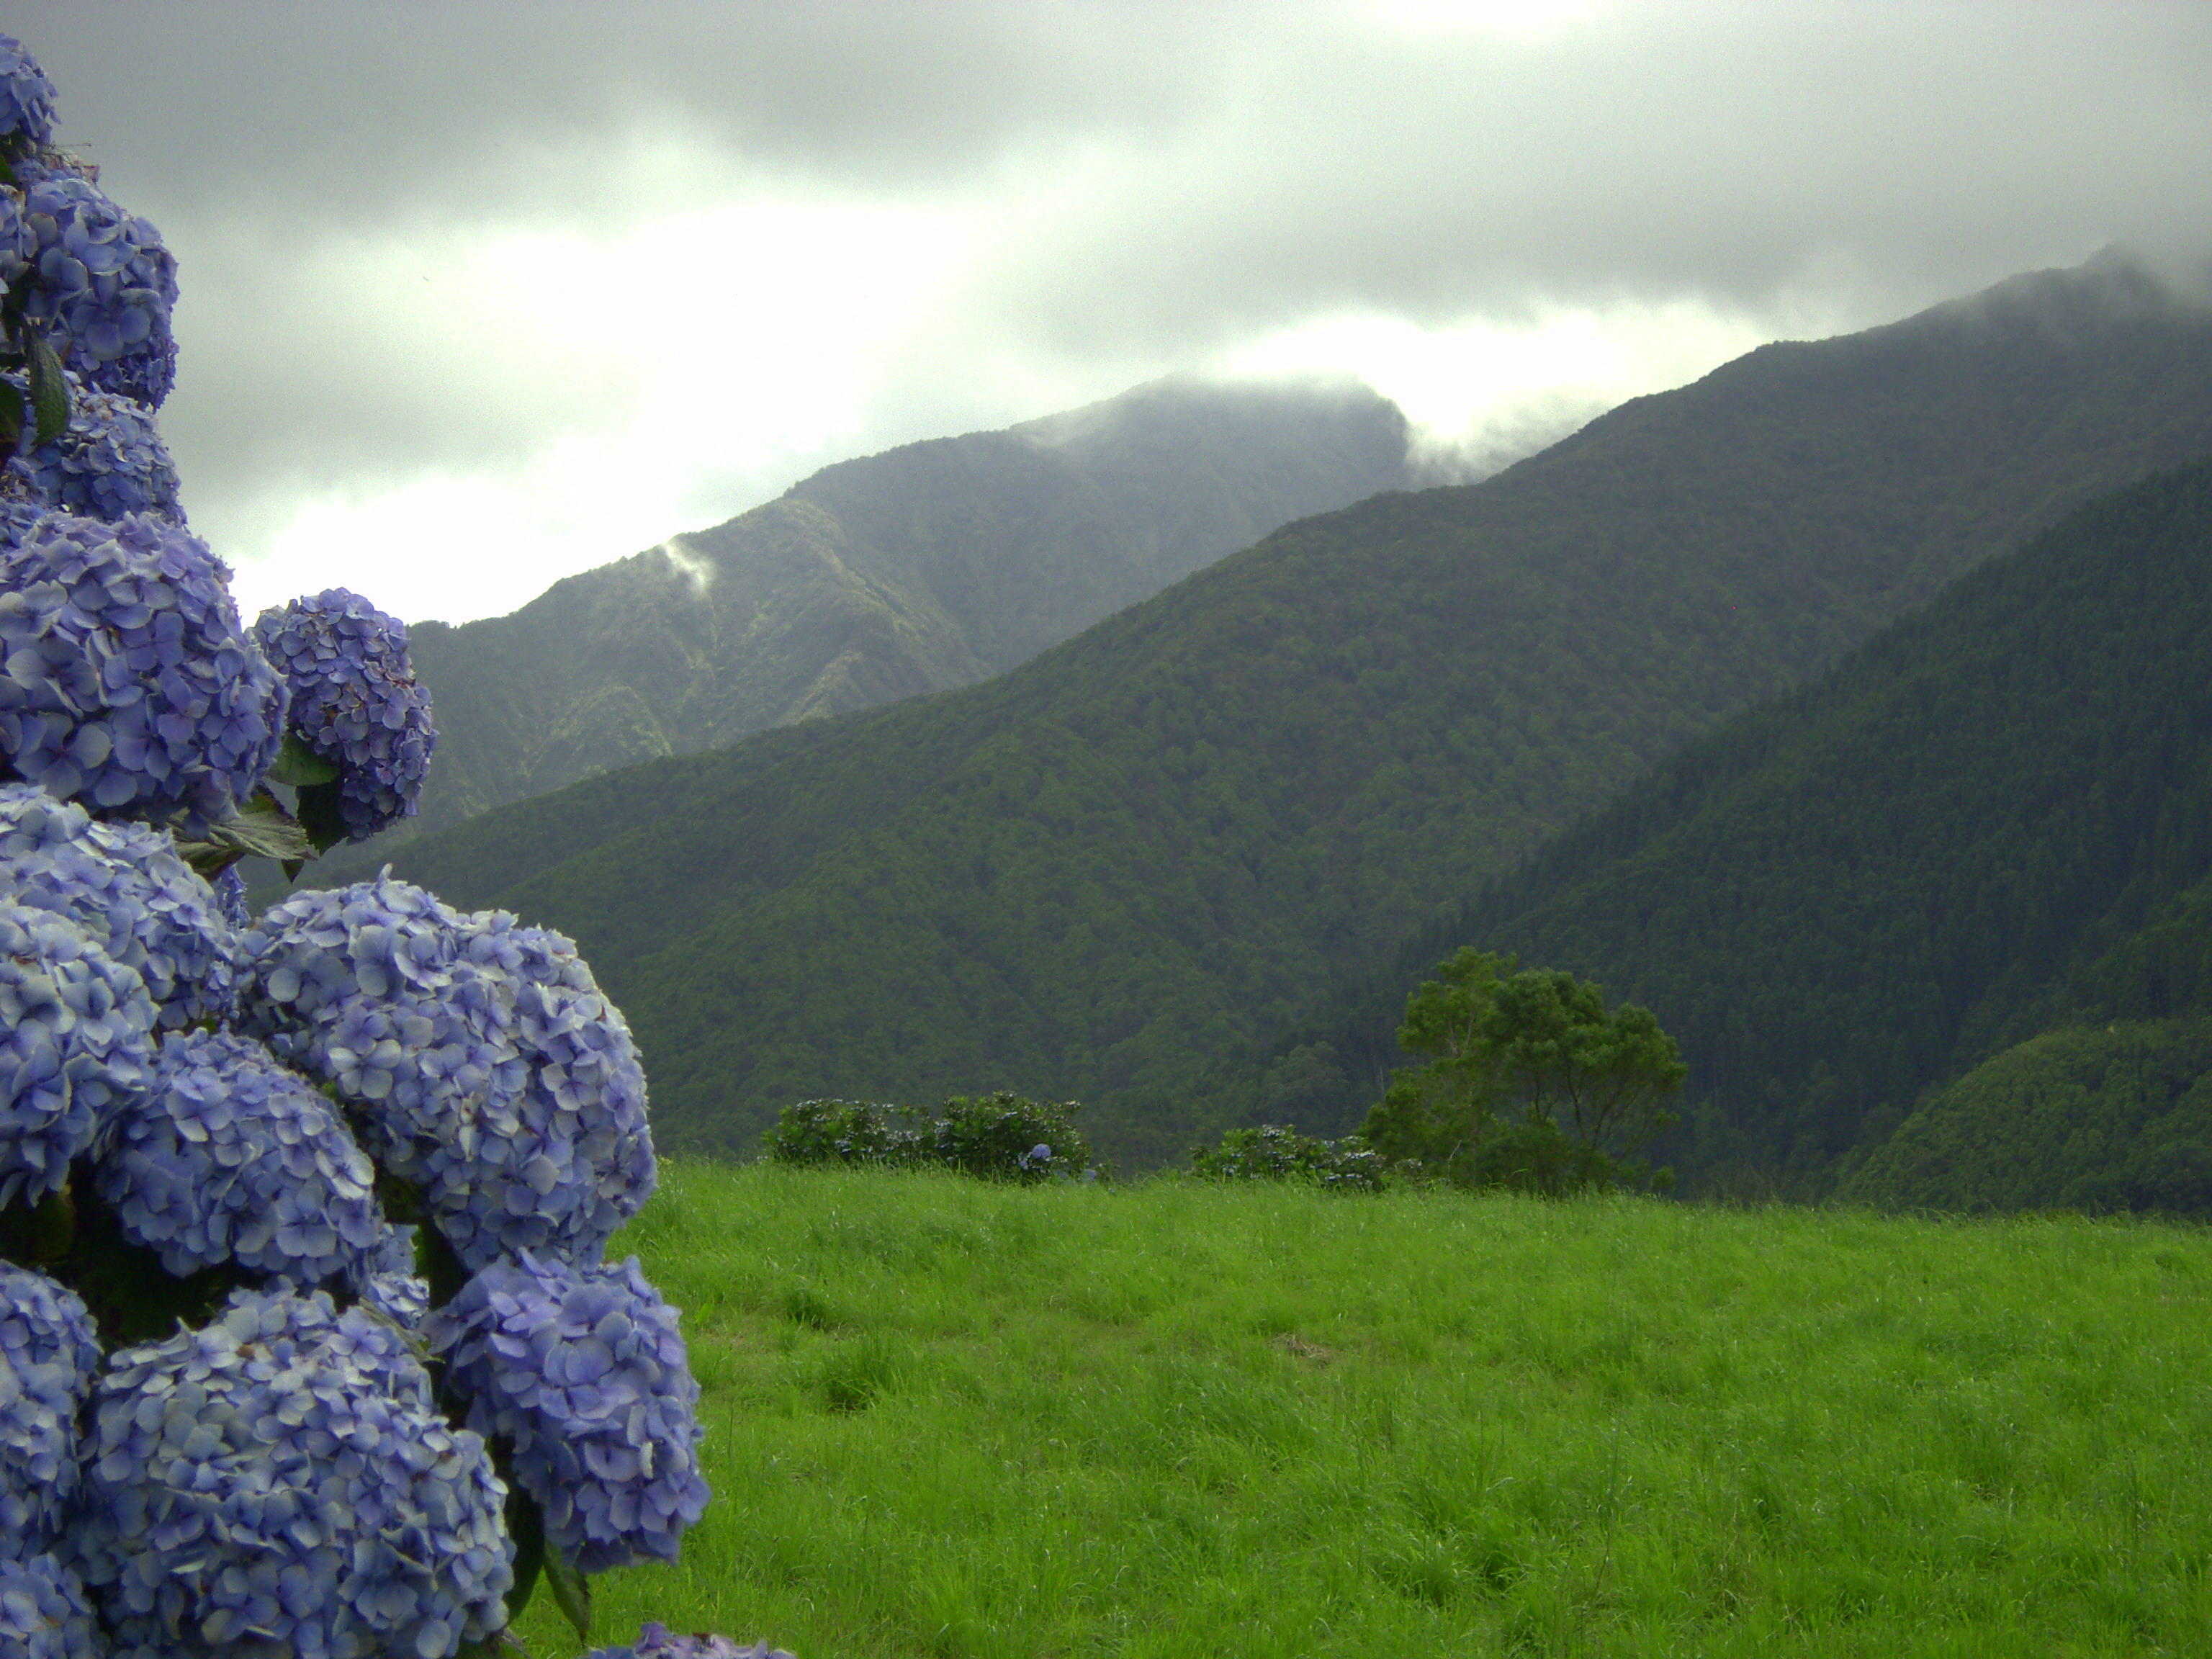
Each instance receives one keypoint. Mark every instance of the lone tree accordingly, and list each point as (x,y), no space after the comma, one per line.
(1529,1082)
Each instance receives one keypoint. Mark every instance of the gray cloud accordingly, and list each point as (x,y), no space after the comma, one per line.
(1147,185)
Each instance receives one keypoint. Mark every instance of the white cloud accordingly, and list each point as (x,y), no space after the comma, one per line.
(1480,392)
(560,399)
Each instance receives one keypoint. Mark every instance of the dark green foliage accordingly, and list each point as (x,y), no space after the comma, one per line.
(994,1136)
(1996,818)
(1143,851)
(2096,1118)
(72,1236)
(1273,1151)
(1529,1082)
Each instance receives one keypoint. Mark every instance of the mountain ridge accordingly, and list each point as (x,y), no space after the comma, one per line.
(1114,865)
(934,564)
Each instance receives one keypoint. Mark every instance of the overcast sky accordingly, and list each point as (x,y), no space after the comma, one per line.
(478,295)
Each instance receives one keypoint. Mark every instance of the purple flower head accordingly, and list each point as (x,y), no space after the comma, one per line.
(109,463)
(585,1374)
(487,1069)
(656,1641)
(354,701)
(48,1358)
(230,1157)
(43,1612)
(101,283)
(125,886)
(27,97)
(126,680)
(230,900)
(75,1044)
(280,1482)
(388,1282)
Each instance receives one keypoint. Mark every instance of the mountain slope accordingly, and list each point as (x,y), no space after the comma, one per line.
(934,565)
(1995,819)
(1150,844)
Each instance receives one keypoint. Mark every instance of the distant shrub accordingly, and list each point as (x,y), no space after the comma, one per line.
(998,1137)
(1006,1137)
(845,1132)
(1274,1151)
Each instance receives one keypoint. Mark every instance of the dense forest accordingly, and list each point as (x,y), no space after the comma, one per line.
(1147,847)
(1994,820)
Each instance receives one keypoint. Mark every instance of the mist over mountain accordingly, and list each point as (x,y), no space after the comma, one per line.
(933,565)
(1103,871)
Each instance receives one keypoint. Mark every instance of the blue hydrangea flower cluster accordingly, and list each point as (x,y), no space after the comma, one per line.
(127,679)
(389,1284)
(230,1157)
(354,701)
(18,517)
(43,1612)
(101,278)
(110,461)
(280,1483)
(230,900)
(27,97)
(584,1372)
(124,885)
(655,1641)
(490,1072)
(75,1044)
(48,1356)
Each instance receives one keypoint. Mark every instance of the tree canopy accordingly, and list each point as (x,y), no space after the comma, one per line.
(1528,1081)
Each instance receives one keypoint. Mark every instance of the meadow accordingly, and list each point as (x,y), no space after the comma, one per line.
(973,1421)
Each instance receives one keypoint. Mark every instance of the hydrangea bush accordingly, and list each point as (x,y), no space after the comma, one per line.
(308,1346)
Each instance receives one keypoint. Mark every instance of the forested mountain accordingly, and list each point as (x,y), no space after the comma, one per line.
(1153,844)
(1986,837)
(930,566)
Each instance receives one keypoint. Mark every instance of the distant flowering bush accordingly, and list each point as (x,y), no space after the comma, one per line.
(654,1642)
(1273,1151)
(998,1137)
(280,1482)
(255,1170)
(125,886)
(48,1358)
(581,1370)
(1006,1137)
(129,682)
(355,702)
(109,463)
(811,1132)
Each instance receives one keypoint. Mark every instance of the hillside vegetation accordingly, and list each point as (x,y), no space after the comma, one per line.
(1182,1421)
(1995,819)
(1150,845)
(933,565)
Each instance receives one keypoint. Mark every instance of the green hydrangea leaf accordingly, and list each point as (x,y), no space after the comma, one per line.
(298,766)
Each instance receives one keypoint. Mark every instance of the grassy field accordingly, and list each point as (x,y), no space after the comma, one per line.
(954,1420)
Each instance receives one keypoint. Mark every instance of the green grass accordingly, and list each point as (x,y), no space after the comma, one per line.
(955,1419)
